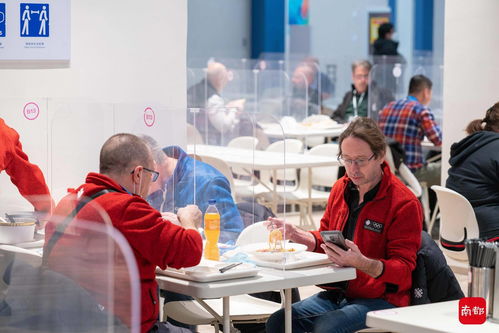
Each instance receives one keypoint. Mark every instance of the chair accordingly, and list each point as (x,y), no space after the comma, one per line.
(457,222)
(322,177)
(193,135)
(263,190)
(314,141)
(243,142)
(254,233)
(243,308)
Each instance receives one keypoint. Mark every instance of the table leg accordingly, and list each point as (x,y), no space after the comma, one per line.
(287,311)
(226,311)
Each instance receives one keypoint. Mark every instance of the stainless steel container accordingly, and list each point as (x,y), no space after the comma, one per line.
(481,284)
(495,310)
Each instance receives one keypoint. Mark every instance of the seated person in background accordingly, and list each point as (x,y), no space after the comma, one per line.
(321,82)
(381,221)
(126,171)
(408,121)
(355,101)
(474,171)
(27,177)
(175,188)
(218,116)
(305,99)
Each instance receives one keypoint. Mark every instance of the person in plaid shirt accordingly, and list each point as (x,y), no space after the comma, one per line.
(408,121)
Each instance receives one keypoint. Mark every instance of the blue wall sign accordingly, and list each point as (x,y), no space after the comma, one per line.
(34,19)
(2,19)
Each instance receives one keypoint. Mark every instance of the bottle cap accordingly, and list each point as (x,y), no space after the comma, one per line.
(212,202)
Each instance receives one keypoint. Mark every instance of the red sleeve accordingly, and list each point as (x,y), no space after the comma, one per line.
(158,240)
(404,238)
(26,176)
(325,220)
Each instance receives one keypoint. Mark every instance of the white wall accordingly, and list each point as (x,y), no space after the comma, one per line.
(338,34)
(471,66)
(123,52)
(218,28)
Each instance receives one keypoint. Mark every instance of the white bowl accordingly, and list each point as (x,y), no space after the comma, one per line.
(255,250)
(18,232)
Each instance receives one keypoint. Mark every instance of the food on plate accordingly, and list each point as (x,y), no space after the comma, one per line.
(275,241)
(278,250)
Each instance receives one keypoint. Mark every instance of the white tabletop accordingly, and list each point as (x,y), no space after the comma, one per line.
(267,279)
(435,317)
(259,159)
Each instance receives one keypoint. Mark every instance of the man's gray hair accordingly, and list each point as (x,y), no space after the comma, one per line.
(157,153)
(362,63)
(122,152)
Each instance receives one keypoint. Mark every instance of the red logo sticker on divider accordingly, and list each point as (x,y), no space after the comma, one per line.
(472,310)
(31,111)
(149,117)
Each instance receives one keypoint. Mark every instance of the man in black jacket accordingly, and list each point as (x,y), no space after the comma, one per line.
(356,102)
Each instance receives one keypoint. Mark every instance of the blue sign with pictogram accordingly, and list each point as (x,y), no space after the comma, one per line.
(34,19)
(2,19)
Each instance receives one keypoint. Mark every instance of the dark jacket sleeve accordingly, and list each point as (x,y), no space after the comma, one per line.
(339,114)
(433,280)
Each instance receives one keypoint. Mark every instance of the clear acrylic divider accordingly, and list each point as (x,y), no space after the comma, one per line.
(309,69)
(387,82)
(213,176)
(436,74)
(28,117)
(274,183)
(78,130)
(88,282)
(299,102)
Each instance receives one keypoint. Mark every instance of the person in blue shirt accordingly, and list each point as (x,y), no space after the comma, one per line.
(185,181)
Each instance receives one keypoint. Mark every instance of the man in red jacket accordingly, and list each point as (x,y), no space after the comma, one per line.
(126,172)
(381,221)
(26,176)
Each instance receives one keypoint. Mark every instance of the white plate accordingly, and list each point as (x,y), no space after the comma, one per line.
(252,249)
(208,271)
(300,260)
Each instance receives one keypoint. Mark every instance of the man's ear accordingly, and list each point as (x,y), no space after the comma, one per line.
(137,174)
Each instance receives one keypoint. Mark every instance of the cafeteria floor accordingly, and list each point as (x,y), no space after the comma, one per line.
(310,290)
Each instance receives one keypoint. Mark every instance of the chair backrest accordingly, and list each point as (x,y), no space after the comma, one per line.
(288,146)
(193,135)
(457,220)
(412,182)
(244,142)
(323,176)
(221,166)
(389,159)
(254,233)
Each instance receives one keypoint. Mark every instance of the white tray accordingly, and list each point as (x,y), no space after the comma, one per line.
(208,271)
(299,260)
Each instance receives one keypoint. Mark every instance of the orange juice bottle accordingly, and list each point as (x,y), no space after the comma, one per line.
(212,231)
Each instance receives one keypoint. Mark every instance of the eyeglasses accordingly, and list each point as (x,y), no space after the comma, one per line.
(155,174)
(358,162)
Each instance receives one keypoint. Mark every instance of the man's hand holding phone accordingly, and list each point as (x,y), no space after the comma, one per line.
(345,253)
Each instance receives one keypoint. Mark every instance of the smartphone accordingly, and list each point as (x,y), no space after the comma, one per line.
(335,237)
